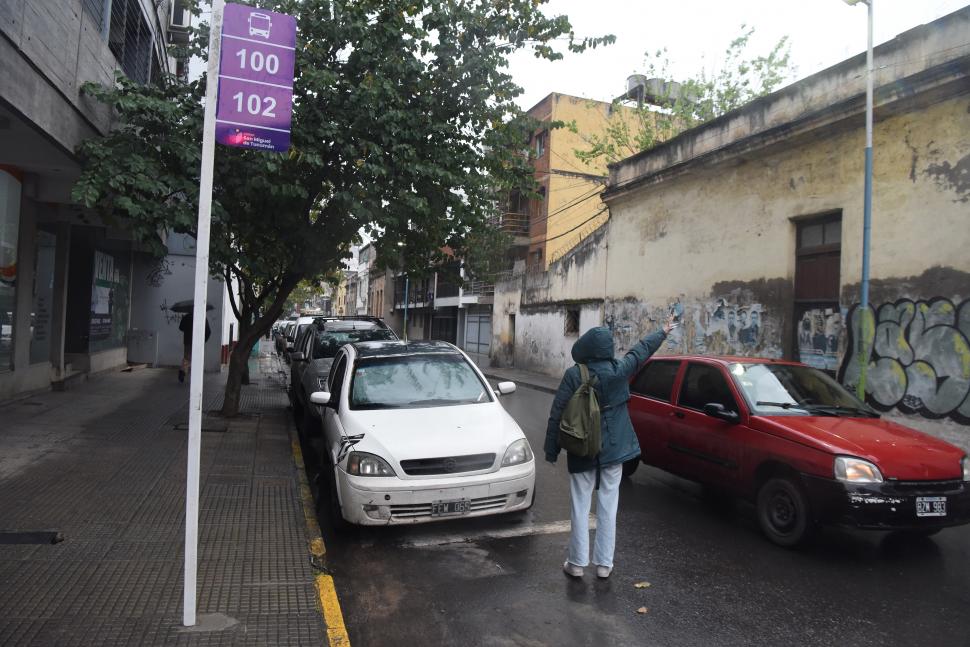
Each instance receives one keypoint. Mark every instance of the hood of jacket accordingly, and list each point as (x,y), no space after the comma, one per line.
(596,343)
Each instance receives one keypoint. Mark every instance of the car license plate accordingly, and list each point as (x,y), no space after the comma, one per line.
(449,508)
(931,506)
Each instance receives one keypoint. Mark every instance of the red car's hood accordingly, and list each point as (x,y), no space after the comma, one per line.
(899,452)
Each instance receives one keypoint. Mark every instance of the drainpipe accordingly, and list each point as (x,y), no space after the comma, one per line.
(865,326)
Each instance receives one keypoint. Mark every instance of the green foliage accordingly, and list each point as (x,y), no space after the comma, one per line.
(404,124)
(702,98)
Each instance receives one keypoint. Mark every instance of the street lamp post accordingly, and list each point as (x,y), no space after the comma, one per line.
(406,287)
(864,324)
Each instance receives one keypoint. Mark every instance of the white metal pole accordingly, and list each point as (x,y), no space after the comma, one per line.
(199,319)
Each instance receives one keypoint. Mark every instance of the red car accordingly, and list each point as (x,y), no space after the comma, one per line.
(798,444)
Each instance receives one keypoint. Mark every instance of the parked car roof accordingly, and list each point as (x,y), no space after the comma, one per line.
(390,348)
(728,359)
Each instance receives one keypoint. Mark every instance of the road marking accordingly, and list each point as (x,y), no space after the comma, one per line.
(333,617)
(336,631)
(548,528)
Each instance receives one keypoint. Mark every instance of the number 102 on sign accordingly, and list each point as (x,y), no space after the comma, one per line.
(255,104)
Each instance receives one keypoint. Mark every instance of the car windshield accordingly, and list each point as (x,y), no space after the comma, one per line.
(327,342)
(778,389)
(413,381)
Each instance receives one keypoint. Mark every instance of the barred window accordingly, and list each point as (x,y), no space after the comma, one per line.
(130,39)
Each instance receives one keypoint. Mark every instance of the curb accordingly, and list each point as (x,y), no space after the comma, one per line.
(528,385)
(329,603)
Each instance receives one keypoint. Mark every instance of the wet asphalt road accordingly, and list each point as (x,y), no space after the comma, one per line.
(713,579)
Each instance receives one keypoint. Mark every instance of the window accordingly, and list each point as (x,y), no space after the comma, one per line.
(9,232)
(415,381)
(656,380)
(572,322)
(328,342)
(540,143)
(337,379)
(704,384)
(130,39)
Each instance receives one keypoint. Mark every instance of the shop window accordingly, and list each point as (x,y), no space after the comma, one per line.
(9,231)
(109,302)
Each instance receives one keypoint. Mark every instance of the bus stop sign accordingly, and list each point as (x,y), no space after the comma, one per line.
(255,104)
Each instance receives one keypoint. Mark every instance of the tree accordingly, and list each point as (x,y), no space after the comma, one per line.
(404,124)
(689,103)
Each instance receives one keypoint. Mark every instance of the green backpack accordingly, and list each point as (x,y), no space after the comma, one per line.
(579,427)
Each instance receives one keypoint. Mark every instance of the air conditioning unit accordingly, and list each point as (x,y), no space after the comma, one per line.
(181,17)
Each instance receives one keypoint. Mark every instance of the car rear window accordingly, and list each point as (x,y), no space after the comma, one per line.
(656,380)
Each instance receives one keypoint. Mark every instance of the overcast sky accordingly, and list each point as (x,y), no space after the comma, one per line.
(696,33)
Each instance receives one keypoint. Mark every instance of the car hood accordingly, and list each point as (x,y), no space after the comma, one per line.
(899,452)
(404,434)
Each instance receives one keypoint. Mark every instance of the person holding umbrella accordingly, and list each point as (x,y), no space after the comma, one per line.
(186,327)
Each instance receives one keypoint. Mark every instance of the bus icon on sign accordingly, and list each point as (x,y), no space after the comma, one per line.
(259,24)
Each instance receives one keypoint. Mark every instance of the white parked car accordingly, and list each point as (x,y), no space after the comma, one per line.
(414,433)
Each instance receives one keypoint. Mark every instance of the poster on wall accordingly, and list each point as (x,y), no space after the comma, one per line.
(109,302)
(818,338)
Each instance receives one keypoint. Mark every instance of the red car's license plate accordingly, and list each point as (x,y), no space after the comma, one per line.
(448,508)
(931,506)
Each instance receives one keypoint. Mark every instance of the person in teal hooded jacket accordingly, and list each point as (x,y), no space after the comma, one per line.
(619,442)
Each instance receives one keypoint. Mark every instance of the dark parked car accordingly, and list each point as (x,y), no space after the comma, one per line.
(313,355)
(281,340)
(798,444)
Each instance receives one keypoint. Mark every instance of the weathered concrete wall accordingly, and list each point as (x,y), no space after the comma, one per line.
(50,49)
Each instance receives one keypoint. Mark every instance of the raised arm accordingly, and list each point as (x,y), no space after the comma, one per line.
(646,347)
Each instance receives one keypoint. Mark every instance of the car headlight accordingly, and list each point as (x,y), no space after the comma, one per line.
(856,470)
(966,468)
(518,452)
(364,464)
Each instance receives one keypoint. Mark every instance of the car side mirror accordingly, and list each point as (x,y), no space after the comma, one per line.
(320,397)
(717,410)
(506,388)
(297,357)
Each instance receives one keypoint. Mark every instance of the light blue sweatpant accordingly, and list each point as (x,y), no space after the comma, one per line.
(607,498)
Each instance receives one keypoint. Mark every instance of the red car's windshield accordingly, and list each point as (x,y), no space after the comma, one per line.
(773,389)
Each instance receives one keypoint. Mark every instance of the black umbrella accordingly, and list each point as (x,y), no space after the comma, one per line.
(187,306)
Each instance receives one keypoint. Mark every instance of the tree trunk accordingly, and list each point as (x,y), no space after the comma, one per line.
(249,336)
(239,369)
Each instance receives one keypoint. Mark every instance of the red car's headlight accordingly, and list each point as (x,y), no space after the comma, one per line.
(856,470)
(966,468)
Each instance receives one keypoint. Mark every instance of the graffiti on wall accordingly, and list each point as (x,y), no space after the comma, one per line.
(717,326)
(918,357)
(819,331)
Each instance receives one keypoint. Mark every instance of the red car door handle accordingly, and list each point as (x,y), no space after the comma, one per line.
(678,414)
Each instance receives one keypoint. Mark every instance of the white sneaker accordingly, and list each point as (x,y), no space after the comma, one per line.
(572,570)
(603,572)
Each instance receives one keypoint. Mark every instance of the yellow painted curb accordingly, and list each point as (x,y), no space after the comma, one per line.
(329,604)
(336,631)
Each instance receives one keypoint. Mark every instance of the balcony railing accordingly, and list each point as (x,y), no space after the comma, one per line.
(478,289)
(516,224)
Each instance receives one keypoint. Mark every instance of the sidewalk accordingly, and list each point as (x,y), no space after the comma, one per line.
(104,466)
(529,379)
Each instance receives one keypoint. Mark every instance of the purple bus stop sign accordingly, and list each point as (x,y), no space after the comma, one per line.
(255,103)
